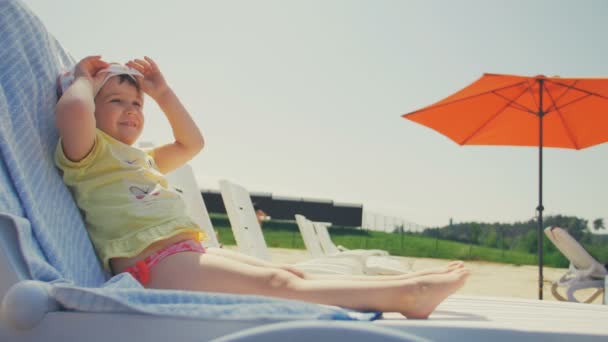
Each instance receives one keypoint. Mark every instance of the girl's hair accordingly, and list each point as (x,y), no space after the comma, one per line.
(130,80)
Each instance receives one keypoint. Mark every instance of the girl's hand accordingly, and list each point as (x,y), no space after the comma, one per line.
(293,270)
(153,83)
(89,68)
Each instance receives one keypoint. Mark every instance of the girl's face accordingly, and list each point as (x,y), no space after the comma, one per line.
(118,110)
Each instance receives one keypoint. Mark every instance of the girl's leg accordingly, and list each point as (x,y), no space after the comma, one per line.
(240,257)
(249,260)
(440,270)
(415,298)
(294,269)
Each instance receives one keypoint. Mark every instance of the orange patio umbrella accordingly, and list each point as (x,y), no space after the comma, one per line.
(524,111)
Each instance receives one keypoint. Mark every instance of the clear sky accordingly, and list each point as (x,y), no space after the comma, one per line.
(304,98)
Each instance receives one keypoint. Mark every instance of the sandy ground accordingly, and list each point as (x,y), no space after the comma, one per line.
(487,278)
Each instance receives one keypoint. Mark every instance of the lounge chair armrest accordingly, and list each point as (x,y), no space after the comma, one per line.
(26,303)
(585,284)
(320,331)
(591,272)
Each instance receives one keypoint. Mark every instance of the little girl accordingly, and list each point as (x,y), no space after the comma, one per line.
(138,223)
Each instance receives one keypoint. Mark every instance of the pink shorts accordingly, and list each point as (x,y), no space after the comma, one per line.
(141,270)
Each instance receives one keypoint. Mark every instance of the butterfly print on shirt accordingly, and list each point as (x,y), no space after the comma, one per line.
(140,193)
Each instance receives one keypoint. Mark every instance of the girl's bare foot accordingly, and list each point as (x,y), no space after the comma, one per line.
(428,291)
(454,265)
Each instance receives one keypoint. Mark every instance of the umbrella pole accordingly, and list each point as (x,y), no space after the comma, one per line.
(540,192)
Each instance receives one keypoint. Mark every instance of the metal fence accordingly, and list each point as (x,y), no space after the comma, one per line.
(389,224)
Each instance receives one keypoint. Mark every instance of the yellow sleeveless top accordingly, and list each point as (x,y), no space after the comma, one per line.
(126,201)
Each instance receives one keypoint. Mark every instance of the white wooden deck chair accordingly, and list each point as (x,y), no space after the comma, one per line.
(309,237)
(330,248)
(184,181)
(376,261)
(372,263)
(250,239)
(584,272)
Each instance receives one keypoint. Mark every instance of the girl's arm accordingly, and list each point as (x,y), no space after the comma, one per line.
(188,138)
(75,110)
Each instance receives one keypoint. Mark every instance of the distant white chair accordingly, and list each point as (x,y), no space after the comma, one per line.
(330,248)
(311,242)
(584,272)
(373,262)
(250,239)
(184,182)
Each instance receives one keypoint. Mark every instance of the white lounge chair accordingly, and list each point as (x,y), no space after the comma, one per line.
(250,239)
(311,242)
(584,272)
(183,180)
(330,248)
(374,262)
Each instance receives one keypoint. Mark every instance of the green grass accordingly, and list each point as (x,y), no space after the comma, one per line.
(285,234)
